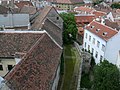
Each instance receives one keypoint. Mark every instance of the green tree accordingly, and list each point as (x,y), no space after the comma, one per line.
(97,1)
(106,76)
(115,5)
(70,28)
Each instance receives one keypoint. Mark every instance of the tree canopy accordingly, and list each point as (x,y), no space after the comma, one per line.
(106,76)
(97,1)
(115,5)
(70,28)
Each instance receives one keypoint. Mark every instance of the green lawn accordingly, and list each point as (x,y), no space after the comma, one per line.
(69,66)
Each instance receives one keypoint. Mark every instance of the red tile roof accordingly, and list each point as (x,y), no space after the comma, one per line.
(81,19)
(37,69)
(81,31)
(101,29)
(23,3)
(84,9)
(41,17)
(16,42)
(99,14)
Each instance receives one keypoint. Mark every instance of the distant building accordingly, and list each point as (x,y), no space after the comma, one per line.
(102,42)
(49,12)
(66,4)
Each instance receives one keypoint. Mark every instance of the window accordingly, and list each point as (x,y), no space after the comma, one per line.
(101,57)
(92,50)
(96,55)
(1,67)
(10,67)
(88,47)
(86,36)
(57,18)
(89,38)
(93,40)
(85,44)
(98,44)
(103,47)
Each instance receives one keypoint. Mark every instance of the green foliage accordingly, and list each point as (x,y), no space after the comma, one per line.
(95,2)
(85,81)
(69,27)
(62,65)
(115,5)
(106,76)
(92,63)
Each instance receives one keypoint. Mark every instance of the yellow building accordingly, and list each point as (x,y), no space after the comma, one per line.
(67,4)
(6,64)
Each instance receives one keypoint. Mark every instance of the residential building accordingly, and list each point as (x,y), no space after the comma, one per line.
(102,42)
(37,55)
(12,19)
(84,10)
(112,0)
(49,12)
(66,4)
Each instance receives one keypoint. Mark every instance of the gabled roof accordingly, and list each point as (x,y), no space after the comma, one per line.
(84,18)
(12,42)
(84,9)
(3,10)
(21,4)
(102,31)
(111,24)
(41,17)
(53,30)
(37,69)
(99,14)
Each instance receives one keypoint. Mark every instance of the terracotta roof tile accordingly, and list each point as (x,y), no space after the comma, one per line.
(85,9)
(81,31)
(82,19)
(41,17)
(99,14)
(36,71)
(111,24)
(21,4)
(16,42)
(101,31)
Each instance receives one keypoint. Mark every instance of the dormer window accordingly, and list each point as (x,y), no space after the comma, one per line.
(105,33)
(92,27)
(97,30)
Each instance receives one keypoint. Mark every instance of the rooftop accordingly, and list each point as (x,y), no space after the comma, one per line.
(85,9)
(36,70)
(101,30)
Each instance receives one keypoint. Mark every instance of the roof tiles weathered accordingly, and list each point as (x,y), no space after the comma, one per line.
(36,70)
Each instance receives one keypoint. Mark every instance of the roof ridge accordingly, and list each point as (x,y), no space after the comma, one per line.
(54,40)
(25,56)
(53,23)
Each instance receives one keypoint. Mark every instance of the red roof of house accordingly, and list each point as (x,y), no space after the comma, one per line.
(99,14)
(84,18)
(85,9)
(81,31)
(99,29)
(23,3)
(37,69)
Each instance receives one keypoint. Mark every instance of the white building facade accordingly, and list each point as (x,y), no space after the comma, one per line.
(103,42)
